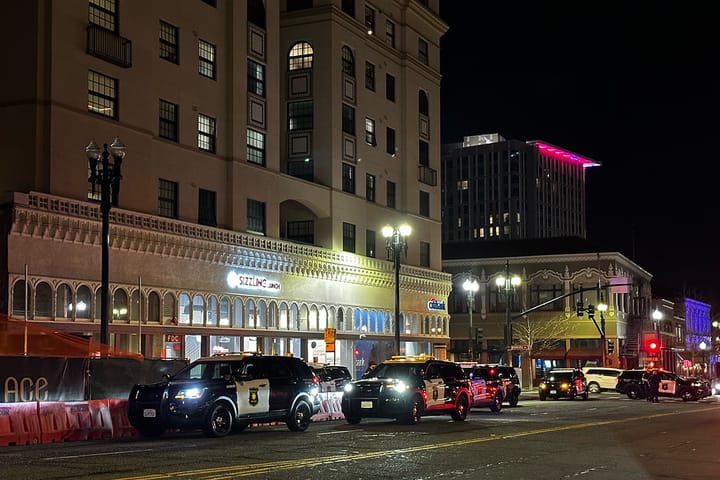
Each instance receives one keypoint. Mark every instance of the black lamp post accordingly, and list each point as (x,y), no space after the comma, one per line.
(106,176)
(508,283)
(471,287)
(395,241)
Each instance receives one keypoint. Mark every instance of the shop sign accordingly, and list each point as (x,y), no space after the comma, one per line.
(434,304)
(238,280)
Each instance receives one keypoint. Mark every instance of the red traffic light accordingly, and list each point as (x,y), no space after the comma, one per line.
(652,345)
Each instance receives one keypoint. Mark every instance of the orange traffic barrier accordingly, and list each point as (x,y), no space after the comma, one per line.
(101,421)
(78,414)
(19,423)
(54,422)
(119,417)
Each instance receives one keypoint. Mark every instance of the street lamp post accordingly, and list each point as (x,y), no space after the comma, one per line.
(471,287)
(106,176)
(508,283)
(602,308)
(657,316)
(395,241)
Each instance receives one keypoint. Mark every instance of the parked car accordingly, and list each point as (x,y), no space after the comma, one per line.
(633,384)
(225,392)
(601,379)
(563,383)
(333,378)
(496,374)
(406,388)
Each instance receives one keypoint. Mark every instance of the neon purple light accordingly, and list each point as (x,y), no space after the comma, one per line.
(560,154)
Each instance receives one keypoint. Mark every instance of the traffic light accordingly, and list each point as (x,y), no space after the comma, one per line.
(652,346)
(610,346)
(591,311)
(579,308)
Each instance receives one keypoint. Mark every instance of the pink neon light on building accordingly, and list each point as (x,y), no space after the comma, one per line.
(561,154)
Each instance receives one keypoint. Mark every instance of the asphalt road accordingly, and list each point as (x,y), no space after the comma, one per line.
(606,437)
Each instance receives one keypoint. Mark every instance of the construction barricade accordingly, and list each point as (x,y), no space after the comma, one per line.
(89,420)
(119,417)
(54,422)
(19,424)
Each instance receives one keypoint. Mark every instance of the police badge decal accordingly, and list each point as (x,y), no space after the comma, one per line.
(253,396)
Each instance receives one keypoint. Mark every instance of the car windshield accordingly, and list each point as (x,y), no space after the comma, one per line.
(559,377)
(395,370)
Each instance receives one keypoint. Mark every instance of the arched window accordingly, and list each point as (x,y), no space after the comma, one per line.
(284,316)
(313,318)
(303,315)
(198,308)
(322,318)
(153,308)
(135,306)
(212,311)
(261,314)
(238,313)
(423,107)
(348,62)
(272,314)
(84,302)
(184,305)
(19,299)
(250,314)
(169,313)
(301,56)
(224,312)
(294,317)
(43,300)
(64,302)
(120,305)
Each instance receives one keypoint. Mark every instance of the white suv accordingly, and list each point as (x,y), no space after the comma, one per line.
(601,378)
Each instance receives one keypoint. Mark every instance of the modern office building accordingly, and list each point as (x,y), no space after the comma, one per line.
(267,144)
(498,189)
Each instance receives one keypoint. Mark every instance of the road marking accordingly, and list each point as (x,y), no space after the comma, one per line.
(99,454)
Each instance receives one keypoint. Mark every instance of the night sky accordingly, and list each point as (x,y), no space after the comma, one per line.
(630,84)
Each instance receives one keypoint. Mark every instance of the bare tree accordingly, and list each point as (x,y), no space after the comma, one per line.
(537,332)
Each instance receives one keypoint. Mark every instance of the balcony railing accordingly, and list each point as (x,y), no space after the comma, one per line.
(109,46)
(427,175)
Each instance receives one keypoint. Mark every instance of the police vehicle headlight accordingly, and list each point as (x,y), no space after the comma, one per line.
(348,387)
(564,386)
(314,391)
(189,393)
(399,386)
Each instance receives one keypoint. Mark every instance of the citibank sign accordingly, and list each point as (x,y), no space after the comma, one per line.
(434,304)
(238,280)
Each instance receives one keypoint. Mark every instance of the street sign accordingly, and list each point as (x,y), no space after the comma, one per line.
(329,339)
(519,347)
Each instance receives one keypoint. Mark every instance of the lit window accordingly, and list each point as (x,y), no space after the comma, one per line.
(169,42)
(102,94)
(256,147)
(206,59)
(370,131)
(256,78)
(301,56)
(206,133)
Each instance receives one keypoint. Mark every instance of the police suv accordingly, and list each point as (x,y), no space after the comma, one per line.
(225,392)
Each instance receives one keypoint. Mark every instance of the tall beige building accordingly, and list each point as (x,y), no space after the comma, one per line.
(267,144)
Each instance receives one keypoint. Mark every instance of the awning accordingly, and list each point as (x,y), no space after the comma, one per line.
(549,353)
(584,353)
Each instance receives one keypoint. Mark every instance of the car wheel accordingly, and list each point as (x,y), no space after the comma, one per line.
(353,420)
(496,406)
(585,395)
(542,398)
(151,430)
(299,419)
(687,395)
(461,409)
(632,393)
(412,417)
(594,388)
(514,398)
(219,421)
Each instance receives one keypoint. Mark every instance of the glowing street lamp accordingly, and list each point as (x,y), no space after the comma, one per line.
(471,287)
(396,241)
(508,283)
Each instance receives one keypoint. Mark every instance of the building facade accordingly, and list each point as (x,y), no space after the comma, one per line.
(268,143)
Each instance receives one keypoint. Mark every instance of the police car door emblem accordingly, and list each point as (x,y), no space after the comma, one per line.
(253,397)
(435,392)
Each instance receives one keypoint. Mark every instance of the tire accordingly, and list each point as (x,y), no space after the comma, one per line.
(593,388)
(299,419)
(353,420)
(151,431)
(542,398)
(687,395)
(584,396)
(461,409)
(414,412)
(496,406)
(219,421)
(514,398)
(632,392)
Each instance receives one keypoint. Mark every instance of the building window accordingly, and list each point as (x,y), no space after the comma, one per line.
(301,56)
(301,231)
(370,187)
(206,207)
(370,132)
(348,62)
(424,204)
(370,76)
(206,133)
(206,59)
(370,20)
(348,119)
(169,42)
(104,14)
(390,194)
(348,6)
(348,237)
(167,198)
(168,121)
(256,12)
(424,254)
(390,140)
(102,94)
(300,115)
(256,78)
(423,50)
(424,153)
(212,3)
(370,243)
(390,33)
(389,87)
(423,107)
(255,216)
(348,178)
(294,5)
(256,147)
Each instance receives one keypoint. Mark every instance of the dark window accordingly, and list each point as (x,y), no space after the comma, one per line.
(301,231)
(300,115)
(212,3)
(301,56)
(370,76)
(423,51)
(348,178)
(370,243)
(293,5)
(256,78)
(168,121)
(424,254)
(206,133)
(348,62)
(424,153)
(348,6)
(389,87)
(348,119)
(255,216)
(390,193)
(370,132)
(169,42)
(206,207)
(423,103)
(167,198)
(348,237)
(370,187)
(256,147)
(370,20)
(424,204)
(390,142)
(104,14)
(102,94)
(206,59)
(390,33)
(256,12)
